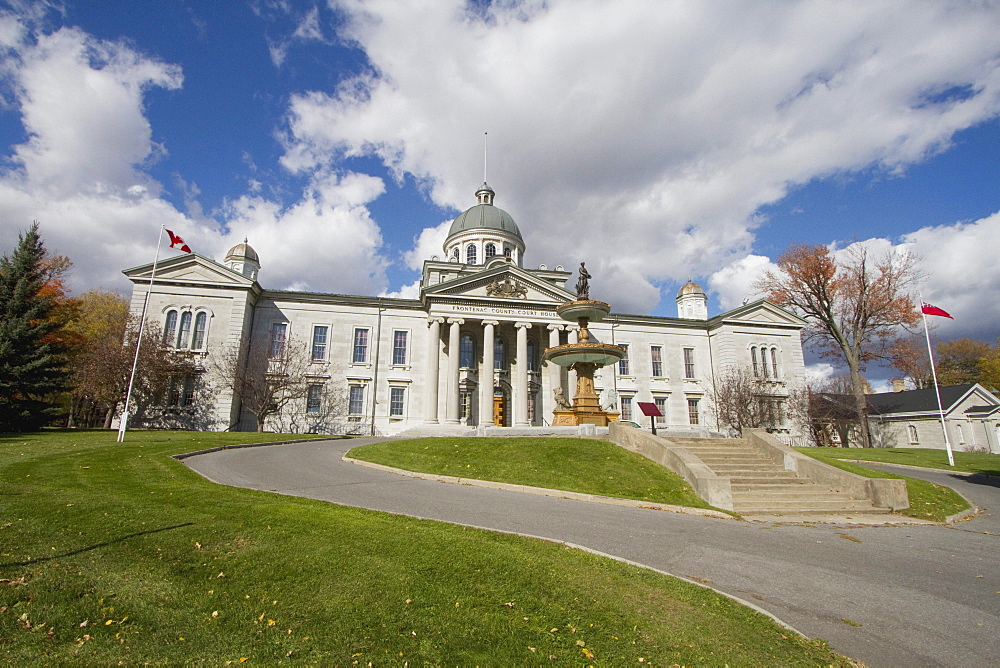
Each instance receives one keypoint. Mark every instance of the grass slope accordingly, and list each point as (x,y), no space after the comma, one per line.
(927,500)
(572,464)
(117,553)
(969,462)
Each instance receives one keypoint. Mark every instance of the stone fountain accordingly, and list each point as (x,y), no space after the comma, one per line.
(584,357)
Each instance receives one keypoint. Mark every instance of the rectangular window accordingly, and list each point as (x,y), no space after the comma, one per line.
(693,411)
(689,362)
(466,406)
(279,334)
(356,405)
(399,348)
(626,407)
(314,400)
(623,362)
(656,354)
(531,407)
(396,397)
(181,391)
(360,345)
(661,405)
(320,333)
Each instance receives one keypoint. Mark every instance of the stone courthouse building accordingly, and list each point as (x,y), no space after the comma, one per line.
(467,352)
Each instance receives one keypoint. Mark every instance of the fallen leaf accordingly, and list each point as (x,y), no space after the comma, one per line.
(587,653)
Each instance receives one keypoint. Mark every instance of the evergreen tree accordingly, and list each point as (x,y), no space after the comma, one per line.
(30,362)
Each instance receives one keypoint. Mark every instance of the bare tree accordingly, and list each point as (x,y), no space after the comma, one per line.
(268,378)
(742,400)
(855,304)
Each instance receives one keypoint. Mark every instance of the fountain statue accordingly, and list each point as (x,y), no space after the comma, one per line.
(585,357)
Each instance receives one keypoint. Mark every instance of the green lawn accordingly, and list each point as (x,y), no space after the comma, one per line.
(572,464)
(119,554)
(969,462)
(927,500)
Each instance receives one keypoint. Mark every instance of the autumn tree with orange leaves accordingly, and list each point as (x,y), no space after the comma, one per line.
(855,304)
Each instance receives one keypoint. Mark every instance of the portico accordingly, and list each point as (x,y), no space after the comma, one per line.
(488,370)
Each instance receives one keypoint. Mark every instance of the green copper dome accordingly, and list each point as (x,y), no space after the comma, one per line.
(485,216)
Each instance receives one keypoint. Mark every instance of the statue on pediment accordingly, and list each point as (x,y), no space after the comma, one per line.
(507,288)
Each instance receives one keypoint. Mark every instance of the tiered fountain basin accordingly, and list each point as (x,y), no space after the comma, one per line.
(584,357)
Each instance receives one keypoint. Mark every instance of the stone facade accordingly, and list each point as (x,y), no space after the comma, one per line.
(468,351)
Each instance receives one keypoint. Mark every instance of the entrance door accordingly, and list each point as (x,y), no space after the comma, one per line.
(500,417)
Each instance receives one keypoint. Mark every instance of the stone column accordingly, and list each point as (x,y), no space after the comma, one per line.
(573,336)
(433,371)
(451,410)
(521,382)
(487,375)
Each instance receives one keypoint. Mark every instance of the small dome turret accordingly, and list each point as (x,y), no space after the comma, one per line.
(243,259)
(692,302)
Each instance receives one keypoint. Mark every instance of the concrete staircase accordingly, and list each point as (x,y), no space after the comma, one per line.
(762,487)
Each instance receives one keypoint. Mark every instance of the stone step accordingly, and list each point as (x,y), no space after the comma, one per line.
(826,505)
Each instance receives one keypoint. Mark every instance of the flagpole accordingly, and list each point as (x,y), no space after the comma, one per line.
(937,390)
(123,423)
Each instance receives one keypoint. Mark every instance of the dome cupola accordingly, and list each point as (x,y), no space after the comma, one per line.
(482,232)
(243,259)
(692,302)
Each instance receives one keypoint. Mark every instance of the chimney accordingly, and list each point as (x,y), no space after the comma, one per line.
(898,384)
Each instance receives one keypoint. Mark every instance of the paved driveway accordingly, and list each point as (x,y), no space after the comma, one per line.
(890,596)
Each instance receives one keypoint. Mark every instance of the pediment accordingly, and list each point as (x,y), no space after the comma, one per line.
(505,284)
(762,312)
(190,268)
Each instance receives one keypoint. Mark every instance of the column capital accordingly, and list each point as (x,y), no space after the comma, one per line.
(456,321)
(555,327)
(491,322)
(435,319)
(522,325)
(572,328)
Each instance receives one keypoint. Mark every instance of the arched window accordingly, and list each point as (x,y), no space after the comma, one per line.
(490,251)
(913,434)
(756,366)
(169,328)
(532,365)
(200,323)
(499,354)
(470,254)
(467,352)
(508,251)
(961,433)
(185,331)
(455,254)
(774,362)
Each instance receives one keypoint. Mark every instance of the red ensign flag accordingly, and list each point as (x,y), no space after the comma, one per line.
(177,242)
(928,309)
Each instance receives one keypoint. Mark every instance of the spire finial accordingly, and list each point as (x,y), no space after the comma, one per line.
(485,137)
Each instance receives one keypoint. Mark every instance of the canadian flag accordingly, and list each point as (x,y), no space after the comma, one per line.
(928,309)
(177,242)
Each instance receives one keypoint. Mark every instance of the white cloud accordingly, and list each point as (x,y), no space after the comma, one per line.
(429,243)
(734,282)
(643,136)
(82,174)
(328,237)
(962,278)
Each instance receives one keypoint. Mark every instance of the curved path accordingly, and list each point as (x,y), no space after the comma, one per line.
(887,595)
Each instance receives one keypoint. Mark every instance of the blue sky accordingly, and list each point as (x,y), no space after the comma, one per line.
(657,141)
